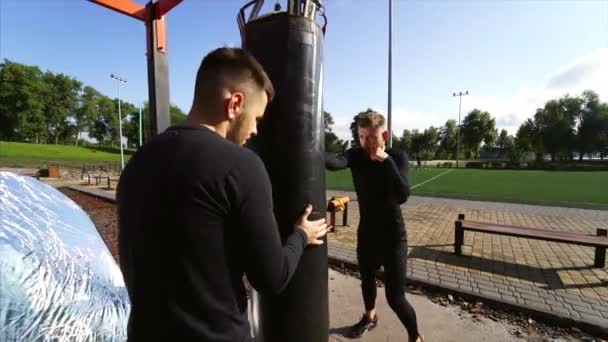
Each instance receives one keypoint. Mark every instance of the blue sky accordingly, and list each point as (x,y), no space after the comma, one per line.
(511,56)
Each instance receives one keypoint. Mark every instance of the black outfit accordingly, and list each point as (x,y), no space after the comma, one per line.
(381,238)
(195,215)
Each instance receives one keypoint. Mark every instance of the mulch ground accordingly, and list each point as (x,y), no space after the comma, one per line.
(103,215)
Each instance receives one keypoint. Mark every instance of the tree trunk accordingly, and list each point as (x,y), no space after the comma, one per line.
(580,156)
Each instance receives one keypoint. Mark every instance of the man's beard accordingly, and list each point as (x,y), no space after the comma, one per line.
(234,131)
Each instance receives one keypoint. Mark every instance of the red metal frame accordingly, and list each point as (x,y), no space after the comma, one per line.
(164,6)
(137,11)
(127,7)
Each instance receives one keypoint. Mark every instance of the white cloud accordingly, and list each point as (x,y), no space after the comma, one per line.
(587,72)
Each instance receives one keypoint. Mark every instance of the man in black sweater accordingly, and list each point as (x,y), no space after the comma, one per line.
(195,214)
(381,183)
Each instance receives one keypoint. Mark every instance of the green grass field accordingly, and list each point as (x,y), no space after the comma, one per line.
(554,187)
(562,188)
(37,155)
(588,189)
(341,180)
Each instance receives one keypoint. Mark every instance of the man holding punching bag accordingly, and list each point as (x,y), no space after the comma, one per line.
(196,214)
(381,182)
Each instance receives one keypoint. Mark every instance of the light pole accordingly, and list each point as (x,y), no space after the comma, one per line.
(140,127)
(390,73)
(122,157)
(460,95)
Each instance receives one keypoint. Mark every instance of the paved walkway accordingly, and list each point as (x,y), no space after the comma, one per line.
(546,277)
(436,322)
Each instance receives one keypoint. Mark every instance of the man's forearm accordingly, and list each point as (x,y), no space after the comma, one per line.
(397,180)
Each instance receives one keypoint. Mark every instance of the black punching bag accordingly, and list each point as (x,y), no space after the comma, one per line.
(291,142)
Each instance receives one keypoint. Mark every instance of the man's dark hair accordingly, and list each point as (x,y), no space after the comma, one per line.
(232,68)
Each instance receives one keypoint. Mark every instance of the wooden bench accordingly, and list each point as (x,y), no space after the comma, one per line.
(599,241)
(110,180)
(97,179)
(88,168)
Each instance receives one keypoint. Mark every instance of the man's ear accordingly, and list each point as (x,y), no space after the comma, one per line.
(386,135)
(235,105)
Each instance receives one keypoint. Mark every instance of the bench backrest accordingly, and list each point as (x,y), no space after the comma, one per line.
(536,233)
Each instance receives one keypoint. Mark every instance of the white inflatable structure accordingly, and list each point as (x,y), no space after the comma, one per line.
(58,281)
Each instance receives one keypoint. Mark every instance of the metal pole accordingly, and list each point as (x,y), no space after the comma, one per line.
(458,143)
(390,72)
(140,126)
(158,72)
(122,157)
(461,94)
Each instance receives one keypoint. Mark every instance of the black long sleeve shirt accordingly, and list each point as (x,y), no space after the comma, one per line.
(381,186)
(195,215)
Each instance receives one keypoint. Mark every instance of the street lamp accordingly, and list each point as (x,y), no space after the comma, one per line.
(460,94)
(122,156)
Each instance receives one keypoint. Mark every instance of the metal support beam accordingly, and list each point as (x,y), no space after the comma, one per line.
(158,74)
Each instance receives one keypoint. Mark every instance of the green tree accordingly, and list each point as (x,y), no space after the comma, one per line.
(405,141)
(130,129)
(601,143)
(396,141)
(448,138)
(416,144)
(128,111)
(556,125)
(177,115)
(592,125)
(332,142)
(502,143)
(61,97)
(105,126)
(528,139)
(431,141)
(21,103)
(424,144)
(478,127)
(87,110)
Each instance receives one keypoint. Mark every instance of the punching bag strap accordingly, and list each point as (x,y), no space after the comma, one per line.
(321,12)
(240,18)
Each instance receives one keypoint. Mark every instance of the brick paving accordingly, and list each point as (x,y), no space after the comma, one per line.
(551,278)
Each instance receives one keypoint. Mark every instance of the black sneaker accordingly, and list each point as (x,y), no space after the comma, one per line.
(363,326)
